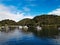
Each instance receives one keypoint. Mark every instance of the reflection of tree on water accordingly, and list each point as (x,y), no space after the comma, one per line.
(48,33)
(10,29)
(32,29)
(45,32)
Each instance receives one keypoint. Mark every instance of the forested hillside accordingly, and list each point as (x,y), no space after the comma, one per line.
(42,20)
(37,20)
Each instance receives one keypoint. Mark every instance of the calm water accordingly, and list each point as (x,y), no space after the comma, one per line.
(18,37)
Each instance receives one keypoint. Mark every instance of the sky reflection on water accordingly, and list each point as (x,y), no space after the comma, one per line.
(17,37)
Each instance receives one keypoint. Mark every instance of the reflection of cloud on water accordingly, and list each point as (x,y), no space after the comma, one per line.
(57,41)
(16,34)
(27,37)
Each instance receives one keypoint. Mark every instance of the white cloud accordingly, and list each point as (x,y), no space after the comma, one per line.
(56,12)
(11,12)
(26,9)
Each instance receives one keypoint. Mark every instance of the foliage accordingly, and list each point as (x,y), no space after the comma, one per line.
(8,22)
(27,22)
(46,19)
(37,20)
(41,20)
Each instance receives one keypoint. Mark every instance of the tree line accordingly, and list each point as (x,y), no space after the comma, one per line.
(37,20)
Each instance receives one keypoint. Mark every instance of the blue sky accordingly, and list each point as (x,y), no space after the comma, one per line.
(21,9)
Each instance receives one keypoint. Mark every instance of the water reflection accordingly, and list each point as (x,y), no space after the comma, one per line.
(50,33)
(30,37)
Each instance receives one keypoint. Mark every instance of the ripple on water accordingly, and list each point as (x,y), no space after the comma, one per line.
(17,37)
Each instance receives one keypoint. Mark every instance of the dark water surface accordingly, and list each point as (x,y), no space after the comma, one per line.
(18,37)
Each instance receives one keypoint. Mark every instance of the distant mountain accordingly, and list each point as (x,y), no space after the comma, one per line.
(8,22)
(37,20)
(26,21)
(47,19)
(42,20)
